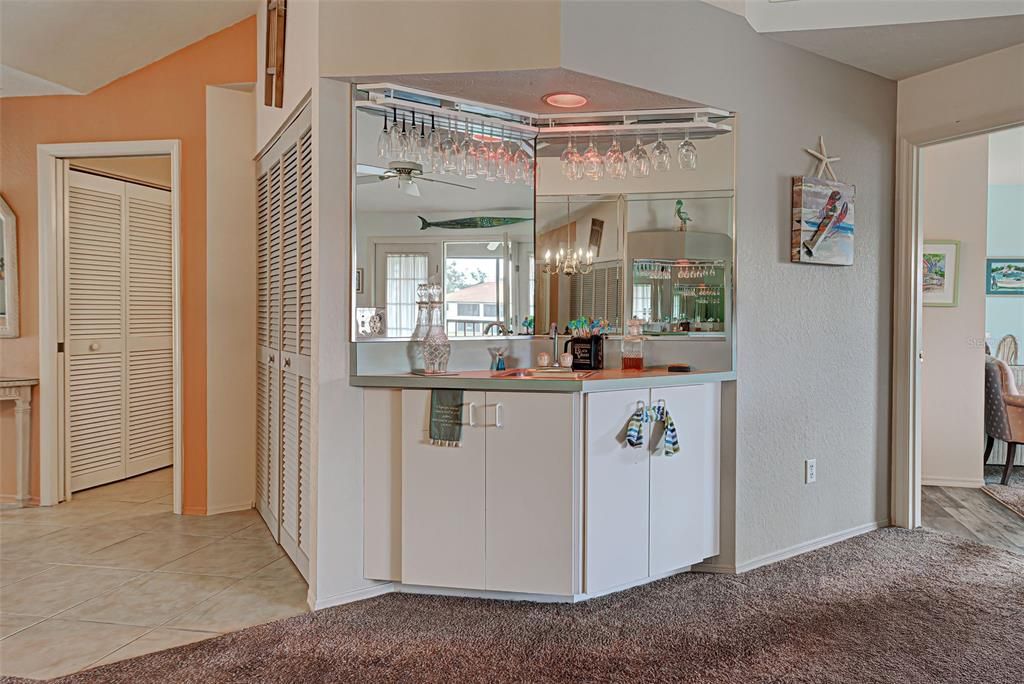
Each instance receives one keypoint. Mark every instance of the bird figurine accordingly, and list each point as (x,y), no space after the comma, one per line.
(681,214)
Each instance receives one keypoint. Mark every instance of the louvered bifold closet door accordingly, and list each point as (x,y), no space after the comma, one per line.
(150,330)
(94,330)
(296,328)
(268,473)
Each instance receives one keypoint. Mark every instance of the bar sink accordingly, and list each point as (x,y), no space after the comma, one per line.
(551,373)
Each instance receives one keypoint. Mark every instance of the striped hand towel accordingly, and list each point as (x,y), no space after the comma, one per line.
(654,414)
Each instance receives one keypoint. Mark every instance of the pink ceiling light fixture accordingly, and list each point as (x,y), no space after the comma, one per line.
(565,100)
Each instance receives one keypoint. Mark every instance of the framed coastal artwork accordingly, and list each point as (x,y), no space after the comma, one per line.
(940,272)
(823,222)
(1004,276)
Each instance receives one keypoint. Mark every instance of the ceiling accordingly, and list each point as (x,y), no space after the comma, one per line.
(898,51)
(523,90)
(100,40)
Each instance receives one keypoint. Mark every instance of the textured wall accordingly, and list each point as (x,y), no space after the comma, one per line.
(953,206)
(814,341)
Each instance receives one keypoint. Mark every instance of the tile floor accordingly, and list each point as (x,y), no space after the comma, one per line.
(114,574)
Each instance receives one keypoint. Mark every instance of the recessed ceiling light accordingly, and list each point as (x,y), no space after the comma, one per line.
(568,100)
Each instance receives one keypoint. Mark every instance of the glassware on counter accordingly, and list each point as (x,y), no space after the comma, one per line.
(633,346)
(436,346)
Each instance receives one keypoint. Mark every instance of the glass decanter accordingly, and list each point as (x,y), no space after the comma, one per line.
(633,346)
(436,347)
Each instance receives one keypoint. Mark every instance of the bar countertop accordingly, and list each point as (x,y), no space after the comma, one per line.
(597,381)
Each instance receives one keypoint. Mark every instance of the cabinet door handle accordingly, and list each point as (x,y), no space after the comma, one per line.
(288,362)
(499,415)
(271,359)
(472,415)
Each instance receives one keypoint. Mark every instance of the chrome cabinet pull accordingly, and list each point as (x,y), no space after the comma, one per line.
(499,415)
(472,415)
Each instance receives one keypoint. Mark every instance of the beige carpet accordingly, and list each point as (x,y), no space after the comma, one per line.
(1010,495)
(889,606)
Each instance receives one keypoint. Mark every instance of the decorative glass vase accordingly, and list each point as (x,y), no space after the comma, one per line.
(436,347)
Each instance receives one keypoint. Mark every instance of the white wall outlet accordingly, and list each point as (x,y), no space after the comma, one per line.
(810,470)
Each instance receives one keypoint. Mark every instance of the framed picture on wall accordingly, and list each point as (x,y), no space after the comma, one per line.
(940,272)
(1004,276)
(596,231)
(359,281)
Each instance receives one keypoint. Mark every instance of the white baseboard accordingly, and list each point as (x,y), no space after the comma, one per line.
(952,482)
(229,508)
(811,545)
(355,595)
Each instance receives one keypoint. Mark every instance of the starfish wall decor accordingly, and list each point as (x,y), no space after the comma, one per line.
(824,161)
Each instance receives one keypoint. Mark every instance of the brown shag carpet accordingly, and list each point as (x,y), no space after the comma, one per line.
(1010,495)
(889,606)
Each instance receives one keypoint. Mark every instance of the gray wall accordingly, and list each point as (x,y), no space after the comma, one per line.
(813,341)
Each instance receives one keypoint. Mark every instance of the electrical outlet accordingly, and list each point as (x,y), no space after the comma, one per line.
(810,470)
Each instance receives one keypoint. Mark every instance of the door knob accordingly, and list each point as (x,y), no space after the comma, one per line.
(94,347)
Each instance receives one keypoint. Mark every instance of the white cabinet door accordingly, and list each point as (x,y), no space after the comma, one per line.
(617,493)
(532,534)
(679,515)
(442,497)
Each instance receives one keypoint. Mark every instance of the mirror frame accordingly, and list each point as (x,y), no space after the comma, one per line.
(10,326)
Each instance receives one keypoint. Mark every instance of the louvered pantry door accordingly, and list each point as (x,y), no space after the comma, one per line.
(268,333)
(296,347)
(118,294)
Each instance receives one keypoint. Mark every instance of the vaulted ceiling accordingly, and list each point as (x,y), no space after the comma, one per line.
(76,46)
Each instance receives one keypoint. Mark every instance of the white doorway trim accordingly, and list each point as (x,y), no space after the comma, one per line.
(50,181)
(907,350)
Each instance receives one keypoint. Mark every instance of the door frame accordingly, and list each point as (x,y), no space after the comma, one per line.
(907,313)
(50,191)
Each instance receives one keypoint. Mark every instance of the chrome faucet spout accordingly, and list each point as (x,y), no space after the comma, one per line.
(502,328)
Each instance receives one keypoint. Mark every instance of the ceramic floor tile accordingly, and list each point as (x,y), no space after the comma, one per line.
(58,647)
(130,491)
(10,624)
(220,525)
(249,602)
(15,570)
(258,530)
(157,640)
(14,531)
(151,599)
(145,551)
(281,569)
(160,475)
(60,587)
(70,513)
(168,500)
(70,545)
(228,558)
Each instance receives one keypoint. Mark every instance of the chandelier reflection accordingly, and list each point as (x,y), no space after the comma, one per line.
(569,263)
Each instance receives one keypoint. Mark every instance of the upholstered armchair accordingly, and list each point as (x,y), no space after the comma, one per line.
(1004,412)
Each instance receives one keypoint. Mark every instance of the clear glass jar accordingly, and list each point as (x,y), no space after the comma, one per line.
(633,346)
(436,347)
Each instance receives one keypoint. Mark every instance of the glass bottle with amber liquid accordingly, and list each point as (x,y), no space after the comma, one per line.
(633,346)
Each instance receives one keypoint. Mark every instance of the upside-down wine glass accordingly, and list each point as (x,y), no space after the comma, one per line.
(593,162)
(661,155)
(615,161)
(686,155)
(449,151)
(434,146)
(384,141)
(639,161)
(395,135)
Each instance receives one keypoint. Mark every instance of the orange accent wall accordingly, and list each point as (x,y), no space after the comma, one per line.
(166,99)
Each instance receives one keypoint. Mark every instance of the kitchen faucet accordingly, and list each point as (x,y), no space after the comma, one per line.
(554,344)
(502,328)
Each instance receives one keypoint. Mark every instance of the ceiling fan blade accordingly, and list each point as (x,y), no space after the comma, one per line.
(366,180)
(368,170)
(435,180)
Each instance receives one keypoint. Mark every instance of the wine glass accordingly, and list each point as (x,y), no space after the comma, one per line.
(384,141)
(481,155)
(661,155)
(449,150)
(468,152)
(396,136)
(686,154)
(503,157)
(422,147)
(615,161)
(593,162)
(567,159)
(403,142)
(639,161)
(434,146)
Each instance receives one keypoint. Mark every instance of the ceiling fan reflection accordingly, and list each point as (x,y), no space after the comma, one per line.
(407,173)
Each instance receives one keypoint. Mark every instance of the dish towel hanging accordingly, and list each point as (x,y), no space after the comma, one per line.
(446,417)
(653,414)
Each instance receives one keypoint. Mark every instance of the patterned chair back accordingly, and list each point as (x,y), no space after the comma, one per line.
(997,423)
(1007,350)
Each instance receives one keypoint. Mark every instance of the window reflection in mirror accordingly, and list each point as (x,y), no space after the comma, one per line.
(473,237)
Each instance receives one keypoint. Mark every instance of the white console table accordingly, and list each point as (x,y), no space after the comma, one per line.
(19,390)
